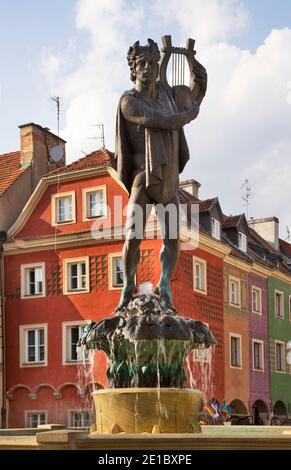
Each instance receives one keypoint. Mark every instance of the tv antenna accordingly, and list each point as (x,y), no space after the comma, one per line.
(100,134)
(57,152)
(56,99)
(287,239)
(246,196)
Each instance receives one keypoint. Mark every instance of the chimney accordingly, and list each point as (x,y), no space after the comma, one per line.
(191,186)
(36,143)
(267,228)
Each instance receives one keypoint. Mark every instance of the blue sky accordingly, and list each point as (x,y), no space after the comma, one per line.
(67,48)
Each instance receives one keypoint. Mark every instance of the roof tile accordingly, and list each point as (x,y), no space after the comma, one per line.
(10,170)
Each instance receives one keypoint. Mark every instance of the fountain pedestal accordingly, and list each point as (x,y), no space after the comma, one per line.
(147,410)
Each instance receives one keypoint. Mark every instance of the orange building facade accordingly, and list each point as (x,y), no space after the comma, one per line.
(59,277)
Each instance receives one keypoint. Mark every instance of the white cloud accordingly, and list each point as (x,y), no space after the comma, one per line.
(243,130)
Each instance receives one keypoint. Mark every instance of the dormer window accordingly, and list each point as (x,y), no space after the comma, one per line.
(242,242)
(215,228)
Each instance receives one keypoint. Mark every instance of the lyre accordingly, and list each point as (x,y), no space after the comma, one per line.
(182,93)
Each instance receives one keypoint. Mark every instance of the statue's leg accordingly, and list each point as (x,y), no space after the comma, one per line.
(139,206)
(170,251)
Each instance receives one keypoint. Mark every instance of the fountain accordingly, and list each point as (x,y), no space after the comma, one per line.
(146,342)
(147,345)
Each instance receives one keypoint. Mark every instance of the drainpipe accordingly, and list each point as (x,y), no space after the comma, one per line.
(3,237)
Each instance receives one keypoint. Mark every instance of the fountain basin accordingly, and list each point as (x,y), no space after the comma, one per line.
(147,410)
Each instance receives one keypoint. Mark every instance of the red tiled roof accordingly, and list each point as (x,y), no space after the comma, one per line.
(231,221)
(204,205)
(285,247)
(101,157)
(10,170)
(262,241)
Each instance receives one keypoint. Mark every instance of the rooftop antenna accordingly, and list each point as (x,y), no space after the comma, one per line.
(246,196)
(100,134)
(287,239)
(57,152)
(56,99)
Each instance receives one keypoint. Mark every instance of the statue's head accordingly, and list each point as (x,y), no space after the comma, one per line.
(139,57)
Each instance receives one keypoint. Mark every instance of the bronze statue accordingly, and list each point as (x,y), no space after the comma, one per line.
(151,149)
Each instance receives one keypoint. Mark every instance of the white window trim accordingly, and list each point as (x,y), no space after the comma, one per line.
(259,290)
(85,191)
(289,307)
(65,326)
(284,358)
(255,340)
(218,224)
(243,237)
(202,261)
(111,257)
(23,345)
(76,411)
(54,198)
(235,335)
(238,281)
(26,413)
(66,263)
(277,291)
(23,268)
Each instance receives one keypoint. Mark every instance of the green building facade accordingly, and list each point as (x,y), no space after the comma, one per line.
(279,296)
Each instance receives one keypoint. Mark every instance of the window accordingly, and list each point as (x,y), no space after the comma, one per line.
(256,300)
(242,241)
(234,291)
(199,275)
(202,355)
(80,419)
(72,331)
(76,279)
(280,356)
(63,208)
(215,228)
(258,355)
(116,271)
(33,345)
(33,419)
(32,280)
(279,304)
(94,202)
(235,351)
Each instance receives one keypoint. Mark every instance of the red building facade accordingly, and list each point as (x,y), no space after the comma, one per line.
(59,277)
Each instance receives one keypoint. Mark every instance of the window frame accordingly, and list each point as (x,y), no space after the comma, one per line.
(111,271)
(23,345)
(284,357)
(215,223)
(66,278)
(200,262)
(65,341)
(54,199)
(261,342)
(258,290)
(238,282)
(85,192)
(242,246)
(237,336)
(277,291)
(70,412)
(28,412)
(24,268)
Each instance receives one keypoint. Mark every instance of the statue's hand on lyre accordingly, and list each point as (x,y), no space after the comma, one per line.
(183,94)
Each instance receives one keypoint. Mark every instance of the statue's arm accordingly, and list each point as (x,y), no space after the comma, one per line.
(136,111)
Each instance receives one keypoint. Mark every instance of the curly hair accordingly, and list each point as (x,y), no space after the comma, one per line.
(136,50)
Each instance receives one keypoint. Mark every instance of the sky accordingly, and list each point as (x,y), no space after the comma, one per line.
(76,49)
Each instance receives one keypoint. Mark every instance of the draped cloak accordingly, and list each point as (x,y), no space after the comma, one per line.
(166,151)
